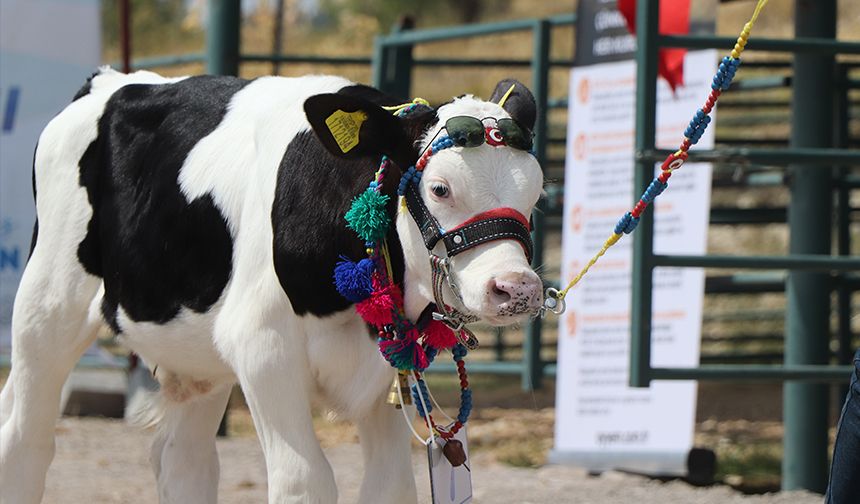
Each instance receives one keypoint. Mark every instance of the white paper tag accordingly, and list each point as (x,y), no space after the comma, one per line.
(449,485)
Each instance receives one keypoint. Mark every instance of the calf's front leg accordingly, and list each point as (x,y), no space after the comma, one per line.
(273,371)
(385,439)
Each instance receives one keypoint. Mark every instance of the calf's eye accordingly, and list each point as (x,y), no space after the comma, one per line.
(440,190)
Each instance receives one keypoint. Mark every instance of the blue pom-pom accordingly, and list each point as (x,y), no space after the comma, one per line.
(354,280)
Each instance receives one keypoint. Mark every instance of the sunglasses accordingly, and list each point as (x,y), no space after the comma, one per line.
(468,131)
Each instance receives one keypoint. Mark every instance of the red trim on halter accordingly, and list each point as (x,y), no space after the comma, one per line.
(496,213)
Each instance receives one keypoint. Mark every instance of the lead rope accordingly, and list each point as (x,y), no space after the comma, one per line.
(554,299)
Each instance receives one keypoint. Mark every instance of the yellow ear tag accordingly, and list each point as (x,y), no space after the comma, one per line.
(344,127)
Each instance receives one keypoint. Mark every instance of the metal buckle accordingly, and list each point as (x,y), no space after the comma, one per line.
(449,321)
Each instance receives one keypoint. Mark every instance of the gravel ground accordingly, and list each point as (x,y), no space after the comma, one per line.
(105,461)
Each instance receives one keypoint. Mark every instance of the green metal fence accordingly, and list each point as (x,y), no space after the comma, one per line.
(809,286)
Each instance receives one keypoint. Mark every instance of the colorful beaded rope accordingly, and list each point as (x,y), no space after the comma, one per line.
(698,124)
(421,397)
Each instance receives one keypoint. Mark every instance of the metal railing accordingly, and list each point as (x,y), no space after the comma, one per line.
(808,291)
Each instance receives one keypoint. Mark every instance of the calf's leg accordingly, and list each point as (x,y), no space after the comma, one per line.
(53,322)
(273,371)
(385,438)
(184,456)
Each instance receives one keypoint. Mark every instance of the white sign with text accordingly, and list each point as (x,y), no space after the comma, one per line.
(602,423)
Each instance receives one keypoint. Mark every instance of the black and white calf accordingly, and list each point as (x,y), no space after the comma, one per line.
(201,218)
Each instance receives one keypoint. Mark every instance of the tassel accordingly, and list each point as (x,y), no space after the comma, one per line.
(367,216)
(354,281)
(439,336)
(405,353)
(379,308)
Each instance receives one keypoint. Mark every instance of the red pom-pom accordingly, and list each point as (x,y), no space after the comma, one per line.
(379,308)
(438,335)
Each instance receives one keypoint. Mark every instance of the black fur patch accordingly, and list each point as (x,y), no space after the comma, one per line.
(155,251)
(520,103)
(314,191)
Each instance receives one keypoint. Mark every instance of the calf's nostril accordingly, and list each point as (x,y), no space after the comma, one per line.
(501,295)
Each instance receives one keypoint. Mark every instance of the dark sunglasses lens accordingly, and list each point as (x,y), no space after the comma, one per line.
(515,135)
(465,131)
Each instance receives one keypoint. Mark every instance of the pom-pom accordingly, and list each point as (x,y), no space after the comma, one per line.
(354,281)
(379,308)
(405,353)
(438,335)
(367,216)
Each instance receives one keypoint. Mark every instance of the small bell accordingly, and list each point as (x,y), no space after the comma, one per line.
(400,382)
(454,452)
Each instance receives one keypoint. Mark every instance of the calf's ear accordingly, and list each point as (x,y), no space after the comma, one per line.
(517,100)
(352,127)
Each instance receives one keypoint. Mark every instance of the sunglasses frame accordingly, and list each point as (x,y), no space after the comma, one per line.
(472,139)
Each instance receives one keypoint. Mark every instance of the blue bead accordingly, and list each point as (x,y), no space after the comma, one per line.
(631,226)
(622,223)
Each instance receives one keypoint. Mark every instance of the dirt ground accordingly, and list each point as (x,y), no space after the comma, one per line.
(105,461)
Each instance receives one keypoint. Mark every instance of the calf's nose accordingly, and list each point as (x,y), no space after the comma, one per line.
(515,292)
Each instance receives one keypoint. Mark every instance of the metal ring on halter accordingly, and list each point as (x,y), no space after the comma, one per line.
(553,302)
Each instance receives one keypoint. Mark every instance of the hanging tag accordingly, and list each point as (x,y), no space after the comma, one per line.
(449,484)
(344,127)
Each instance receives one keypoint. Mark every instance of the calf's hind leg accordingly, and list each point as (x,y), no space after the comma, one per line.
(52,324)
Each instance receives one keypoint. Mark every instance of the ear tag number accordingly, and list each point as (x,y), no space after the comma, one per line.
(344,127)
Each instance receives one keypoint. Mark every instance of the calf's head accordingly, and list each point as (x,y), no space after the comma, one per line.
(482,173)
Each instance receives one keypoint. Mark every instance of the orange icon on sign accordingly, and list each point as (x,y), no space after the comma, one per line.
(576,218)
(582,91)
(570,321)
(579,147)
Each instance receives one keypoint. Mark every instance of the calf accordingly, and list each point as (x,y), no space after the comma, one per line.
(200,219)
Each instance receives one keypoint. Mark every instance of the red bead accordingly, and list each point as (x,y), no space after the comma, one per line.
(639,208)
(664,176)
(464,384)
(686,144)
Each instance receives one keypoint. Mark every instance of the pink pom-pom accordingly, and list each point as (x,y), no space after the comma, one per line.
(439,336)
(379,308)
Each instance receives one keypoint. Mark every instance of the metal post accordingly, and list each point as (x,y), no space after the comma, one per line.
(841,139)
(278,35)
(647,15)
(222,39)
(125,34)
(392,66)
(532,377)
(805,409)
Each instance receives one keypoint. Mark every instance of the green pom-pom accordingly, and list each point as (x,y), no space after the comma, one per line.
(367,216)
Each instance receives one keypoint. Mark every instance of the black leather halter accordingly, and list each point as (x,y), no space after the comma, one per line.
(498,224)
